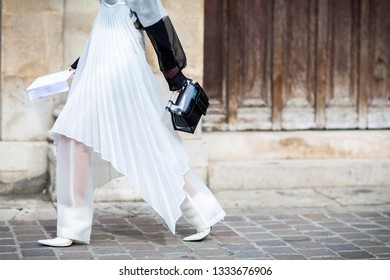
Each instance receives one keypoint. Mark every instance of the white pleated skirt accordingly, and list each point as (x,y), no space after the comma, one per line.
(116,108)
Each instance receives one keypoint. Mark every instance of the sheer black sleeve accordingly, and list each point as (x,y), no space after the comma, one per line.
(167,45)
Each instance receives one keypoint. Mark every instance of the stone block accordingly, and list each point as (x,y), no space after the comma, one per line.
(283,174)
(31,47)
(23,167)
(274,145)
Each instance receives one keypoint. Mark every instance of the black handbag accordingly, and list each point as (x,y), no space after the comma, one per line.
(187,106)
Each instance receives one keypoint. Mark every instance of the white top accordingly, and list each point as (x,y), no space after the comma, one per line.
(113,2)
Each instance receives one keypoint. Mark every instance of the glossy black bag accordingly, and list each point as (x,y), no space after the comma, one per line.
(187,107)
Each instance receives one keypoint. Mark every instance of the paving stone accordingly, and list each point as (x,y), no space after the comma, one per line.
(77,256)
(7,249)
(16,223)
(296,238)
(228,219)
(146,254)
(251,254)
(342,216)
(4,229)
(182,256)
(368,243)
(29,238)
(29,245)
(310,253)
(178,249)
(113,257)
(365,226)
(356,255)
(354,236)
(332,224)
(318,233)
(131,239)
(37,253)
(231,240)
(215,233)
(259,236)
(323,258)
(382,222)
(342,247)
(276,226)
(268,243)
(287,217)
(343,230)
(7,241)
(306,245)
(28,231)
(103,243)
(315,216)
(102,236)
(279,250)
(47,222)
(42,258)
(379,232)
(9,257)
(242,224)
(234,247)
(249,229)
(166,242)
(307,227)
(384,256)
(331,240)
(139,246)
(108,250)
(289,257)
(286,232)
(126,232)
(378,250)
(259,218)
(74,248)
(369,215)
(207,243)
(6,235)
(298,222)
(112,221)
(385,238)
(213,252)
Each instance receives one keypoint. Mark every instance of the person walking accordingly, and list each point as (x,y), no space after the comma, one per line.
(114,123)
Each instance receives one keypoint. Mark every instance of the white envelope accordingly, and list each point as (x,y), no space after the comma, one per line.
(49,84)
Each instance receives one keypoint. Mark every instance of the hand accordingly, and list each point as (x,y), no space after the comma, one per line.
(175,79)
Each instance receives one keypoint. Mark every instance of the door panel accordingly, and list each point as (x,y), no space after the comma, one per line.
(294,58)
(378,63)
(338,49)
(297,64)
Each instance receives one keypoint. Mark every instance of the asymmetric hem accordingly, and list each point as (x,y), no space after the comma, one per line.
(116,108)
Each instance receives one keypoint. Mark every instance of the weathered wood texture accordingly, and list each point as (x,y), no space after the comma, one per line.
(297,64)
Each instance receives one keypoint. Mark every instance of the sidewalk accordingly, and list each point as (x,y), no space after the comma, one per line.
(327,223)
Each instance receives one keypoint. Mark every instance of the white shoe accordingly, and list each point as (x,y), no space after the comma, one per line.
(56,242)
(199,236)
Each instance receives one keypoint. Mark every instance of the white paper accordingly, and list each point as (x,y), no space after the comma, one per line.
(49,84)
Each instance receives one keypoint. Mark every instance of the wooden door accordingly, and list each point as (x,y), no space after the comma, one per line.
(297,64)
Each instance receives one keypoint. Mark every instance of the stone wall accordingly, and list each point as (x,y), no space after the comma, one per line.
(31,46)
(45,36)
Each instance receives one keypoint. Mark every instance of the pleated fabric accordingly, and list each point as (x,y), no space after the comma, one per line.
(116,108)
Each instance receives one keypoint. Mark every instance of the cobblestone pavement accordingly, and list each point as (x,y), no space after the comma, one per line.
(132,231)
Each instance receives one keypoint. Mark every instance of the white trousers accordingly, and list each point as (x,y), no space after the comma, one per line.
(75,194)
